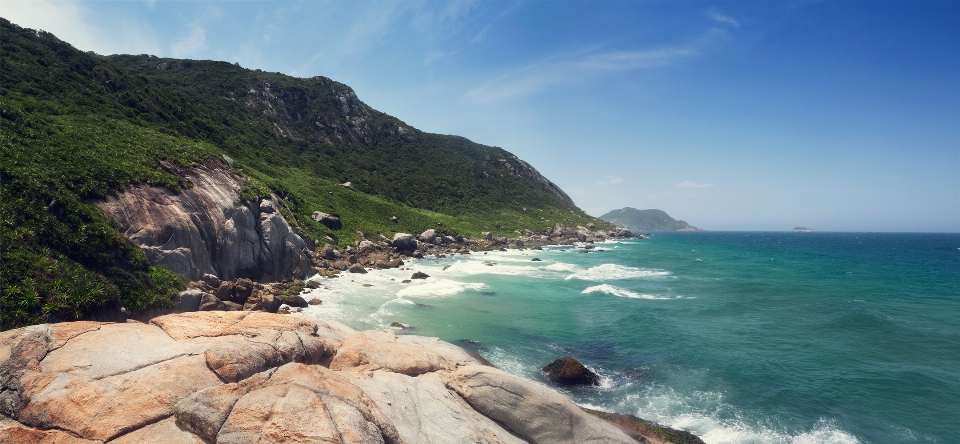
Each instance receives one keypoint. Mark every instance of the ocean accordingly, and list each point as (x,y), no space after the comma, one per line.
(738,337)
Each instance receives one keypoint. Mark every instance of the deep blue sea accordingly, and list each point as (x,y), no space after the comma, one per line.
(738,337)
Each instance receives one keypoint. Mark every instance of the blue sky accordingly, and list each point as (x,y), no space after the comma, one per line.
(842,116)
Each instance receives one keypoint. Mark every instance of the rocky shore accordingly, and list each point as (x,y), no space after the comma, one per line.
(241,376)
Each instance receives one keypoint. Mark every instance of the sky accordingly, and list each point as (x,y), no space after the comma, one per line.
(841,116)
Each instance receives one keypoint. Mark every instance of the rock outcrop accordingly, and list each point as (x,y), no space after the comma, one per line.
(209,229)
(569,371)
(238,377)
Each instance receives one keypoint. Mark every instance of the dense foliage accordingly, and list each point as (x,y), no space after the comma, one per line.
(75,127)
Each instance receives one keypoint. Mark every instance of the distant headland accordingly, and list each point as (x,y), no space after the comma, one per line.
(647,220)
(803,230)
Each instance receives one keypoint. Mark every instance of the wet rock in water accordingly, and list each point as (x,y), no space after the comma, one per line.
(569,371)
(313,284)
(357,268)
(536,259)
(447,266)
(399,325)
(315,301)
(405,281)
(419,275)
(367,285)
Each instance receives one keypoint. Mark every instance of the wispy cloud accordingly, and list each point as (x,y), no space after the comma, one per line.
(692,184)
(191,42)
(719,17)
(584,65)
(611,180)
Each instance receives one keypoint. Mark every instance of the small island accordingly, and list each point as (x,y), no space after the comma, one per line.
(802,230)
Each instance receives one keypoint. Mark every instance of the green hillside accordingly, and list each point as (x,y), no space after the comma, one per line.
(75,127)
(646,220)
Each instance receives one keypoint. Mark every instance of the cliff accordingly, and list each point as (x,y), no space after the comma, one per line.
(238,377)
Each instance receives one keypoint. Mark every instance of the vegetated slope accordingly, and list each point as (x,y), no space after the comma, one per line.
(76,126)
(646,220)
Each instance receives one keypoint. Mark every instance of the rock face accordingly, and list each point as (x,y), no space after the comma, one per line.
(331,221)
(239,377)
(569,371)
(208,229)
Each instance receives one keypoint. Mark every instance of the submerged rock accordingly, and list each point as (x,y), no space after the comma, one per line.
(569,371)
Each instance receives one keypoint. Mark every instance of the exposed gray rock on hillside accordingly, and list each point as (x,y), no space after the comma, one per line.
(209,229)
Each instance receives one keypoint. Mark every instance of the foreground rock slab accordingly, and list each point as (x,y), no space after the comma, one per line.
(253,377)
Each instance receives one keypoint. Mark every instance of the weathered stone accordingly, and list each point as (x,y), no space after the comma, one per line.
(209,302)
(428,236)
(375,350)
(366,246)
(425,411)
(207,229)
(262,301)
(404,242)
(225,291)
(314,301)
(205,411)
(569,371)
(239,359)
(328,252)
(331,221)
(188,300)
(419,275)
(357,268)
(536,413)
(163,432)
(210,280)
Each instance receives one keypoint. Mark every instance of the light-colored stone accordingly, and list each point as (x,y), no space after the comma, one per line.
(12,432)
(536,413)
(376,350)
(163,432)
(207,229)
(425,411)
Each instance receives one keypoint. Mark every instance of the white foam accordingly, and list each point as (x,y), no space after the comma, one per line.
(613,272)
(439,287)
(621,292)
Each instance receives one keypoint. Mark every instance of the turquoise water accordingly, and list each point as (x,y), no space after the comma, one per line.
(738,337)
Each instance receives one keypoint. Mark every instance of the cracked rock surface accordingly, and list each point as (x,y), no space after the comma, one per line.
(253,377)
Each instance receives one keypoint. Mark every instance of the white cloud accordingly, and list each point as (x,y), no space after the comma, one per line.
(611,180)
(73,23)
(191,43)
(723,19)
(692,184)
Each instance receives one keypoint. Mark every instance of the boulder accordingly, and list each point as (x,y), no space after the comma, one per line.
(366,246)
(225,291)
(331,221)
(348,186)
(569,371)
(314,301)
(210,280)
(357,268)
(262,301)
(393,219)
(209,302)
(292,300)
(536,259)
(328,252)
(536,413)
(188,300)
(428,236)
(404,242)
(486,235)
(419,275)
